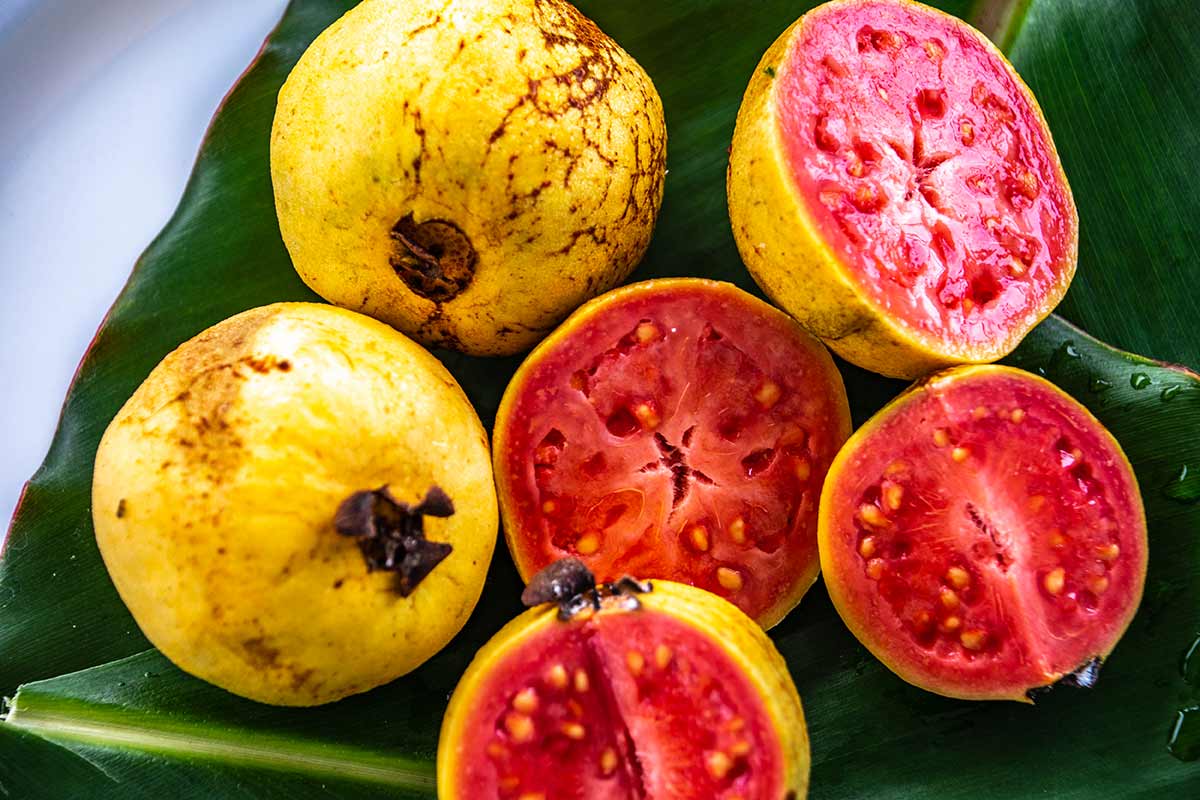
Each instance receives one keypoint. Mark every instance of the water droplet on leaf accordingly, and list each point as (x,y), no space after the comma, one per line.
(1139,380)
(1184,742)
(1186,486)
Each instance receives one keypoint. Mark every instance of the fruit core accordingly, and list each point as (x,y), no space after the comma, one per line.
(924,163)
(993,529)
(628,705)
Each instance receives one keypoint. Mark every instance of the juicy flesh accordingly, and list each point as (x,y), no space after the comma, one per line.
(626,706)
(683,436)
(990,536)
(928,171)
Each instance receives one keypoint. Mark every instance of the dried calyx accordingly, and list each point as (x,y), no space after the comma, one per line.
(391,534)
(434,258)
(569,583)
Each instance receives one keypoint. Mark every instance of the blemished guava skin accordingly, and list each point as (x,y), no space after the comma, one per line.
(522,669)
(468,171)
(925,220)
(217,484)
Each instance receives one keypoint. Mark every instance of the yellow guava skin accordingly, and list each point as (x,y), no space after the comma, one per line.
(519,122)
(782,247)
(738,636)
(217,483)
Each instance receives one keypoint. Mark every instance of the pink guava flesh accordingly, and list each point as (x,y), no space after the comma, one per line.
(986,537)
(928,170)
(628,706)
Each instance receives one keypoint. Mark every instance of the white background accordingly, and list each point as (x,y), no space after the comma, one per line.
(102,107)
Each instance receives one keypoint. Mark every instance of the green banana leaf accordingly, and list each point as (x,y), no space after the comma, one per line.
(94,712)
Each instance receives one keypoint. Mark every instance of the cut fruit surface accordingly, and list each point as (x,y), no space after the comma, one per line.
(897,150)
(677,696)
(675,428)
(983,535)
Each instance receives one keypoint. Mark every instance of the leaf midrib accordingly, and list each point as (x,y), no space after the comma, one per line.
(63,723)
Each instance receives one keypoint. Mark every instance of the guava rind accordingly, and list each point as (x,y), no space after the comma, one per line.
(812,376)
(789,248)
(518,125)
(982,440)
(217,484)
(720,624)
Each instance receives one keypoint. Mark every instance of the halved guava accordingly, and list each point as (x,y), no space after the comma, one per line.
(674,695)
(894,186)
(983,535)
(675,428)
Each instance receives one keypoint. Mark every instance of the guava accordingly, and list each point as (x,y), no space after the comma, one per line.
(675,428)
(893,185)
(655,691)
(984,537)
(467,171)
(297,504)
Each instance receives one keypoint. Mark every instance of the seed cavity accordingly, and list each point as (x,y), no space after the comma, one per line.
(587,544)
(647,416)
(867,547)
(730,579)
(718,764)
(768,394)
(893,496)
(973,639)
(958,577)
(519,727)
(870,514)
(1055,580)
(698,536)
(526,700)
(737,531)
(875,569)
(557,676)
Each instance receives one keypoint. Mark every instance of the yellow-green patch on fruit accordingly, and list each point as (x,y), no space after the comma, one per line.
(467,171)
(217,485)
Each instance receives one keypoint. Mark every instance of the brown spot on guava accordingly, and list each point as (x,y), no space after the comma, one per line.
(121,508)
(435,258)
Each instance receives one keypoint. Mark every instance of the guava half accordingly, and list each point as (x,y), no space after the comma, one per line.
(893,185)
(983,536)
(675,428)
(667,694)
(467,171)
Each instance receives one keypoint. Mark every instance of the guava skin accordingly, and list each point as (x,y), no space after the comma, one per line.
(217,485)
(679,696)
(893,185)
(676,428)
(468,172)
(983,535)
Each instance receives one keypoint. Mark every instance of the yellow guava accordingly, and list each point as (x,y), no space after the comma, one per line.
(244,496)
(468,171)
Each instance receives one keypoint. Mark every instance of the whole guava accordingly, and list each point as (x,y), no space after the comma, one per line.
(297,504)
(467,171)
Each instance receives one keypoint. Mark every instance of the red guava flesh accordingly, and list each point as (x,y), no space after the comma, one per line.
(678,429)
(984,535)
(928,170)
(636,705)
